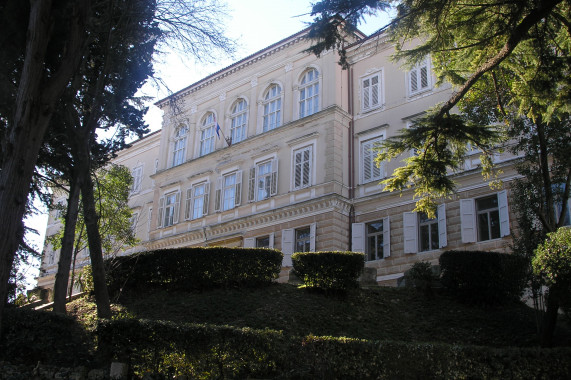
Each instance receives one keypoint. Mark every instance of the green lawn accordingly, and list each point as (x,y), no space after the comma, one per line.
(398,314)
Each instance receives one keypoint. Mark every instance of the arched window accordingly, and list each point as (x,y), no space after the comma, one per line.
(239,119)
(272,108)
(309,93)
(207,131)
(179,148)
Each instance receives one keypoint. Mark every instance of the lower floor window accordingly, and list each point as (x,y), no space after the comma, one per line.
(374,248)
(263,242)
(303,239)
(488,218)
(428,233)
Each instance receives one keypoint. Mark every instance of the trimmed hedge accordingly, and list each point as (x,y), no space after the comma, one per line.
(484,277)
(206,351)
(195,268)
(329,269)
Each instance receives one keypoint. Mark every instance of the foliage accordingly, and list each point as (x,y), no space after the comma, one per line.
(207,351)
(195,268)
(552,261)
(328,270)
(85,279)
(483,277)
(420,276)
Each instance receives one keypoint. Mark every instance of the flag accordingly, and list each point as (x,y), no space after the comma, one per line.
(218,130)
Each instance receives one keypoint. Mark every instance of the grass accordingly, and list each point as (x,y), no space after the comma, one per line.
(397,314)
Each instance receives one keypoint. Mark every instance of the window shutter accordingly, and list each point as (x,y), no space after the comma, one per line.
(274,179)
(238,194)
(504,213)
(189,203)
(442,236)
(272,240)
(287,246)
(413,81)
(358,237)
(410,231)
(424,76)
(312,230)
(250,243)
(297,165)
(386,237)
(468,220)
(176,208)
(252,185)
(375,98)
(366,93)
(161,211)
(307,167)
(206,198)
(150,219)
(218,194)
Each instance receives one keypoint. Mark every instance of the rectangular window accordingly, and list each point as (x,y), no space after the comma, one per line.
(371,92)
(374,249)
(197,201)
(134,220)
(178,151)
(168,209)
(421,234)
(419,78)
(428,233)
(488,218)
(150,219)
(263,182)
(137,175)
(369,169)
(207,141)
(303,239)
(263,242)
(228,191)
(302,163)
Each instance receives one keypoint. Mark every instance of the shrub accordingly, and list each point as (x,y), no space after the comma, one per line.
(420,277)
(483,277)
(328,270)
(195,268)
(85,279)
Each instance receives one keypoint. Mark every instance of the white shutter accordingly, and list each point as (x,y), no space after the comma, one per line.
(161,211)
(150,219)
(312,228)
(250,243)
(176,208)
(358,237)
(274,178)
(366,93)
(413,81)
(442,236)
(375,93)
(206,198)
(252,185)
(468,220)
(504,213)
(238,189)
(410,231)
(307,169)
(188,208)
(386,237)
(271,240)
(218,194)
(287,246)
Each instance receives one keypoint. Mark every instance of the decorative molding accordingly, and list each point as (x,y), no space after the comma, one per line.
(254,82)
(288,67)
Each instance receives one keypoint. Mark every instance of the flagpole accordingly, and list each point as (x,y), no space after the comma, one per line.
(227,139)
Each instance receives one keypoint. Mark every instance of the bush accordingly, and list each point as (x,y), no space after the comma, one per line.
(420,277)
(483,277)
(328,270)
(195,268)
(207,351)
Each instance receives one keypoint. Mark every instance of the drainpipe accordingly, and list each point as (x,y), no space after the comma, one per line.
(351,153)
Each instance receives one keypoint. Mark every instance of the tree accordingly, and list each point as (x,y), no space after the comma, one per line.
(112,187)
(466,41)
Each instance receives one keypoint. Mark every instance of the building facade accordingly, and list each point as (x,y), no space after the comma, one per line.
(275,151)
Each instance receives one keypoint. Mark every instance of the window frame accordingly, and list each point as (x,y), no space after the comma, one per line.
(192,198)
(179,145)
(270,179)
(417,72)
(305,165)
(312,85)
(359,237)
(221,187)
(267,101)
(367,159)
(239,120)
(469,221)
(207,133)
(137,175)
(412,230)
(368,91)
(252,242)
(174,208)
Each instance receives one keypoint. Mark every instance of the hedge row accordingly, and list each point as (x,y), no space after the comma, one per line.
(484,277)
(195,268)
(329,269)
(203,351)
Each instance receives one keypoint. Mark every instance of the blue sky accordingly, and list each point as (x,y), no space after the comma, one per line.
(254,24)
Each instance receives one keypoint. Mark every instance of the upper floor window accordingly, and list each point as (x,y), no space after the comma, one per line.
(309,93)
(239,118)
(369,169)
(169,209)
(207,131)
(302,164)
(228,191)
(137,175)
(419,78)
(197,201)
(272,108)
(263,181)
(178,154)
(371,92)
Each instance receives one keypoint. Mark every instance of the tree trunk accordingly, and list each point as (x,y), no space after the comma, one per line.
(93,237)
(550,319)
(66,251)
